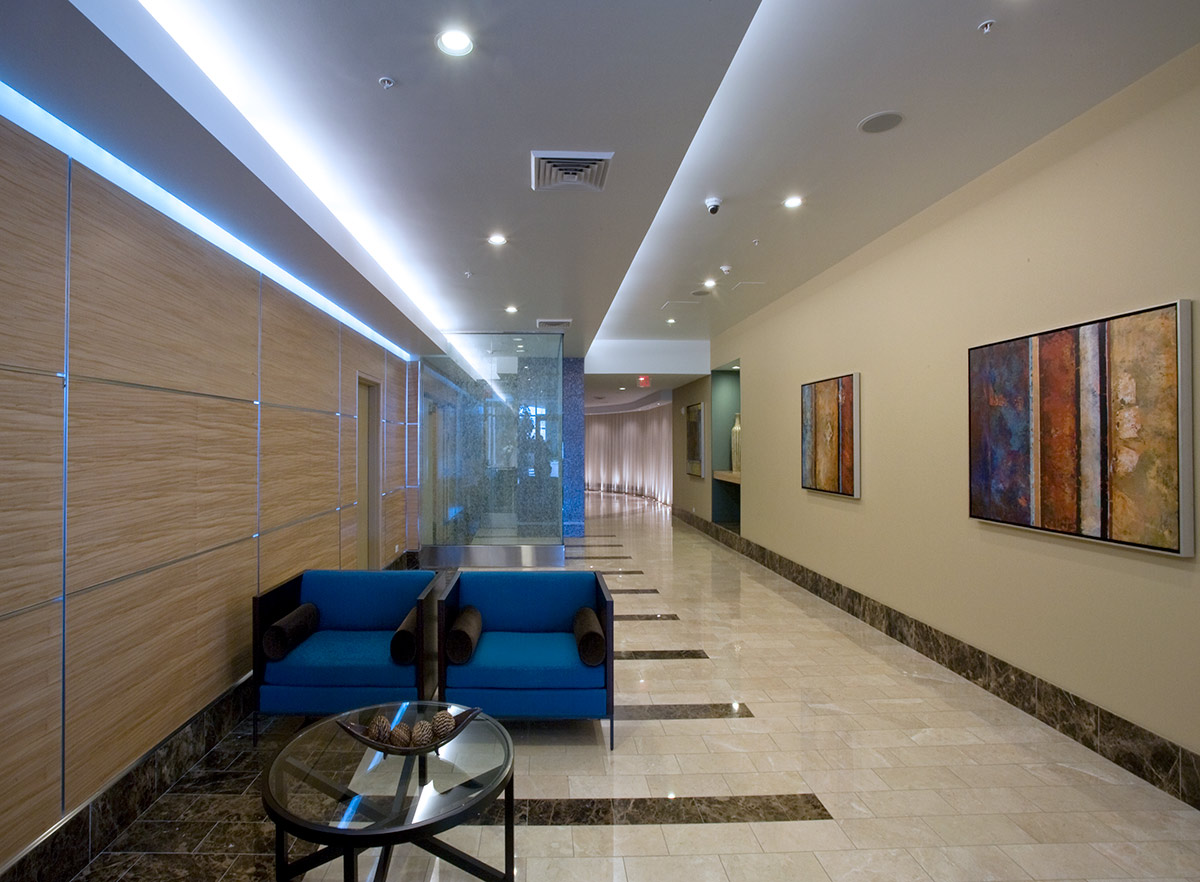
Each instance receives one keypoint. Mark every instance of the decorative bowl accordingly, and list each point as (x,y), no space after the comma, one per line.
(358,731)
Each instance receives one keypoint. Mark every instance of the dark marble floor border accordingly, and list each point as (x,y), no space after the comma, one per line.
(660,810)
(632,590)
(598,557)
(579,540)
(1168,766)
(646,617)
(86,832)
(621,572)
(657,654)
(726,711)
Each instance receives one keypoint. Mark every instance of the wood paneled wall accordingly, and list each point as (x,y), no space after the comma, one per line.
(177,433)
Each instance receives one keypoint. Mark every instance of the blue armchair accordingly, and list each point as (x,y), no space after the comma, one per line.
(526,662)
(342,659)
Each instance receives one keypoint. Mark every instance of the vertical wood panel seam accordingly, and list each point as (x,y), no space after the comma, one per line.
(66,400)
(258,451)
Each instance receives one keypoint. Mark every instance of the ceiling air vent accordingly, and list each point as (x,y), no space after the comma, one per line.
(553,324)
(569,170)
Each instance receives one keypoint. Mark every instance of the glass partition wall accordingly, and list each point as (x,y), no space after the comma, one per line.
(491,442)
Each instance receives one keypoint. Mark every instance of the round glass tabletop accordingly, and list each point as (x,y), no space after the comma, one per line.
(328,787)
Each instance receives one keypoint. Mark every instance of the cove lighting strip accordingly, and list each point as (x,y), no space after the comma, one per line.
(20,110)
(198,34)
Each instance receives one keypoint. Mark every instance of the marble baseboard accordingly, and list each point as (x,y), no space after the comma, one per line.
(84,834)
(1166,765)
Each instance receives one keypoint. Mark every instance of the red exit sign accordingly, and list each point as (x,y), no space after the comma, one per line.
(643,382)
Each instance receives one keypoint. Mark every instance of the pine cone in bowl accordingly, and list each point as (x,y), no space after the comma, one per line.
(422,734)
(379,728)
(443,724)
(400,736)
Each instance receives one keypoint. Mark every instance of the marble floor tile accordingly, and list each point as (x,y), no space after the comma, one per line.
(792,742)
(1077,861)
(619,841)
(710,839)
(890,832)
(872,865)
(968,863)
(795,867)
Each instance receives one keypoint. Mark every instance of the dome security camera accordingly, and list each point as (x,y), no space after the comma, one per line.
(713,203)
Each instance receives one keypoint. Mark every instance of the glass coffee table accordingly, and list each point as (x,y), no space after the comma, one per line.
(326,787)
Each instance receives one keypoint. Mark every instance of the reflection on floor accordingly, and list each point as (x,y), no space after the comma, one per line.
(778,739)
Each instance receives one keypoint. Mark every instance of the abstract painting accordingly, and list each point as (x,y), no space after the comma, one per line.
(695,440)
(1086,430)
(829,436)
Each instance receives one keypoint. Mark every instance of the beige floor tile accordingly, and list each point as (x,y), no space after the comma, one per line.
(797,867)
(528,842)
(575,869)
(1140,826)
(972,863)
(788,761)
(710,838)
(843,780)
(978,830)
(619,841)
(1154,859)
(872,865)
(607,786)
(671,744)
(742,743)
(858,758)
(890,832)
(695,727)
(844,805)
(920,778)
(675,868)
(1062,799)
(541,787)
(714,763)
(1076,861)
(1063,827)
(988,800)
(996,776)
(644,764)
(906,803)
(792,836)
(688,785)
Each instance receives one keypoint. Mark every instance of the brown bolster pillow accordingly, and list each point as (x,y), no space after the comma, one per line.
(463,635)
(589,637)
(290,631)
(404,641)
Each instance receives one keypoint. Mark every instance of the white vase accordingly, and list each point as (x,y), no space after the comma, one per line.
(735,444)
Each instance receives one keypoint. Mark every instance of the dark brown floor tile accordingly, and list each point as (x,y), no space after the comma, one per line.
(170,807)
(108,867)
(658,654)
(647,617)
(162,836)
(180,868)
(681,711)
(209,781)
(226,807)
(239,837)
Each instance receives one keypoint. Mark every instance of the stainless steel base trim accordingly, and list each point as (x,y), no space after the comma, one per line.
(447,556)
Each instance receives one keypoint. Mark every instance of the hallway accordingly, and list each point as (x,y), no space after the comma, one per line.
(761,735)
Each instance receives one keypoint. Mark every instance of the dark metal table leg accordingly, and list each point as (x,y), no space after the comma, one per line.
(508,831)
(281,864)
(349,865)
(381,868)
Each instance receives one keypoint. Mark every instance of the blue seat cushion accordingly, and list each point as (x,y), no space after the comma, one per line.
(523,660)
(341,658)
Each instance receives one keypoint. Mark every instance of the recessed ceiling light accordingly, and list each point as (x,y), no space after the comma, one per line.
(880,122)
(455,42)
(620,388)
(670,321)
(497,239)
(737,367)
(510,309)
(386,82)
(517,339)
(793,202)
(710,283)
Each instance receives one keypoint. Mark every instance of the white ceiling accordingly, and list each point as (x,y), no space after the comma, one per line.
(414,178)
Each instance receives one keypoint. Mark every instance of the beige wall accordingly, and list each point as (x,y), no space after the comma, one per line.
(203,406)
(690,492)
(1099,218)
